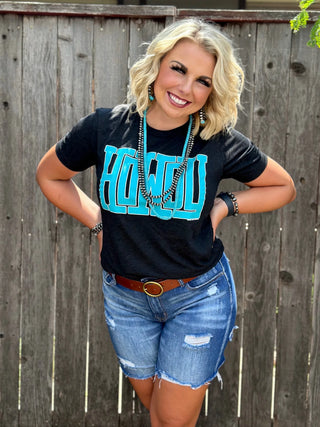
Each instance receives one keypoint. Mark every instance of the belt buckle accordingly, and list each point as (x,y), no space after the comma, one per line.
(145,290)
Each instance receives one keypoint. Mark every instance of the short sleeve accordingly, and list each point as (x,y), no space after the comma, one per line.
(78,149)
(244,161)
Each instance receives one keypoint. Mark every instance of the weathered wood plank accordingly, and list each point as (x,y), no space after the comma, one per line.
(38,244)
(75,48)
(125,11)
(314,379)
(244,38)
(141,32)
(263,248)
(241,16)
(111,41)
(223,403)
(103,366)
(314,389)
(299,219)
(140,420)
(149,12)
(10,214)
(140,417)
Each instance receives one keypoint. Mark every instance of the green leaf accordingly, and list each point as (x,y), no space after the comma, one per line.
(315,34)
(304,4)
(300,21)
(294,24)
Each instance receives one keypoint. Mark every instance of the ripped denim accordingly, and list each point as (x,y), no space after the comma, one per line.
(181,335)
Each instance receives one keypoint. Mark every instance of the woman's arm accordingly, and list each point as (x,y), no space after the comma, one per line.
(55,181)
(273,189)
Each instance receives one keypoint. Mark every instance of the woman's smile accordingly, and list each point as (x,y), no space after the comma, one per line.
(177,101)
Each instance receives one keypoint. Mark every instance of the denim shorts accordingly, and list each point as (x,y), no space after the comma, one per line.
(181,335)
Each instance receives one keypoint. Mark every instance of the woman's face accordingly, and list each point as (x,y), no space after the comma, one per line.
(182,86)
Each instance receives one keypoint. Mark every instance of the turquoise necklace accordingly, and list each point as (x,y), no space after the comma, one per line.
(160,199)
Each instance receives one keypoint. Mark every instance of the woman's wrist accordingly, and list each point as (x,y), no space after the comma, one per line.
(218,212)
(220,208)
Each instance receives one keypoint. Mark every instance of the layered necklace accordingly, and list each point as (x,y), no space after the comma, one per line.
(160,199)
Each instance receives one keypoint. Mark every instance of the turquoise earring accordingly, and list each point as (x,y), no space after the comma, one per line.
(202,116)
(151,97)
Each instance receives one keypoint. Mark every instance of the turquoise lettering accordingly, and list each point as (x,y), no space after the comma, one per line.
(119,184)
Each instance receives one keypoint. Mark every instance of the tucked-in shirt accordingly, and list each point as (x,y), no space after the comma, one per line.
(161,242)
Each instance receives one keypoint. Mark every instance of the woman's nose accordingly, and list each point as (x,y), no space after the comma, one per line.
(186,86)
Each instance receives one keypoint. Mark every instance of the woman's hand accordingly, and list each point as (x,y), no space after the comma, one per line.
(217,213)
(100,240)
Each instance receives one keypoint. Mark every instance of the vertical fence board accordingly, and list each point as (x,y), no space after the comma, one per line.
(223,403)
(314,399)
(244,39)
(111,39)
(264,230)
(10,214)
(75,39)
(39,126)
(296,268)
(111,61)
(314,380)
(142,31)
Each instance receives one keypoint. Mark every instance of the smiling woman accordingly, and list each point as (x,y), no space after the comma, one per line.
(212,49)
(169,295)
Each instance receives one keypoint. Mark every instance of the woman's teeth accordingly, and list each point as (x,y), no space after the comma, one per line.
(177,100)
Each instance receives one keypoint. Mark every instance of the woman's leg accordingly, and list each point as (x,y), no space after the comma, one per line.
(144,390)
(170,405)
(174,405)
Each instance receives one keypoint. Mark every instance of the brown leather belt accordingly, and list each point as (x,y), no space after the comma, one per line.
(151,287)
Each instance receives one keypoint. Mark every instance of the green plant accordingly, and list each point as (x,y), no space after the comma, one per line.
(301,20)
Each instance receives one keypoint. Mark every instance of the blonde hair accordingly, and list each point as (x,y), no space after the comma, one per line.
(221,108)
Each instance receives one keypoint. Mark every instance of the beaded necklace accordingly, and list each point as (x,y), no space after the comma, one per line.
(160,199)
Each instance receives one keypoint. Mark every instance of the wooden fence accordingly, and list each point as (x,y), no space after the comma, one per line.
(57,367)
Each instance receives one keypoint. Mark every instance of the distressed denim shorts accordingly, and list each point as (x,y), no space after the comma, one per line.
(181,335)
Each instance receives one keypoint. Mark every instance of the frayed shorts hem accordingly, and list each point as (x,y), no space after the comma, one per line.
(135,377)
(163,376)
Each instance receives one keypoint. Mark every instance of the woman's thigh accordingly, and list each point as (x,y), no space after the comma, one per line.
(175,405)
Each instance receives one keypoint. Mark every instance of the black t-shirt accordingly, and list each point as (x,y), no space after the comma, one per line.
(136,242)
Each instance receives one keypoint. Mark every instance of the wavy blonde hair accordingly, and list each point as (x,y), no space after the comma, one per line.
(221,107)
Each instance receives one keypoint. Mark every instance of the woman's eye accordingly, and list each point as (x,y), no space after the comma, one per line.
(178,69)
(204,82)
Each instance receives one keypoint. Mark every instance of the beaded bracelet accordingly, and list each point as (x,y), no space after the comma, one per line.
(231,202)
(96,229)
